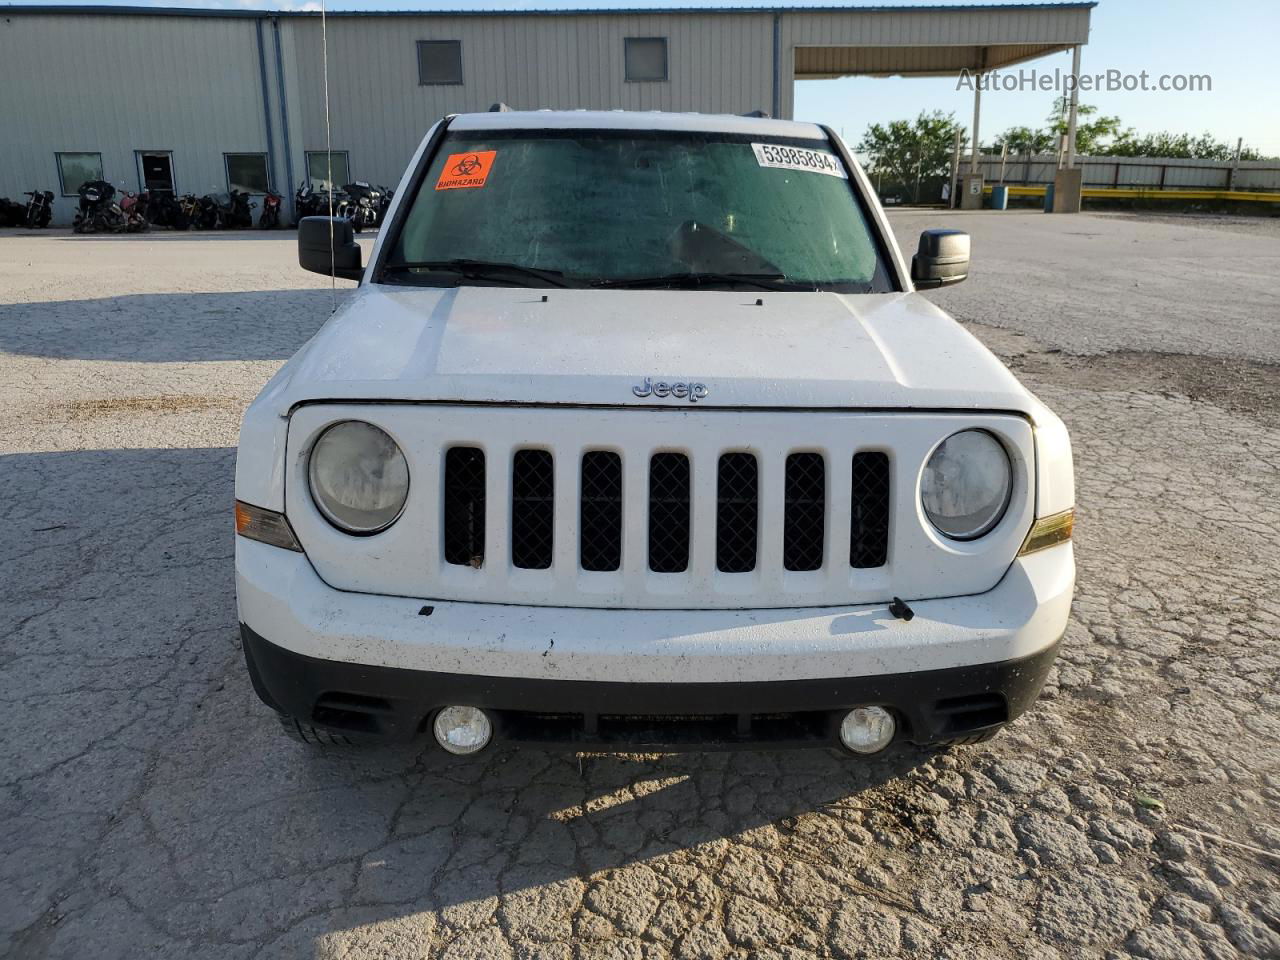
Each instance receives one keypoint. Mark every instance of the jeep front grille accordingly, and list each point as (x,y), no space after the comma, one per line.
(644,509)
(531,536)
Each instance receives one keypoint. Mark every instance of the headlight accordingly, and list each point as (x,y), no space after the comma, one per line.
(967,484)
(359,478)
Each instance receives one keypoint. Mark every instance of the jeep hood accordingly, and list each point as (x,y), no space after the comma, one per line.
(516,345)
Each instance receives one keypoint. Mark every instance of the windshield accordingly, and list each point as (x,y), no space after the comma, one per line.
(636,209)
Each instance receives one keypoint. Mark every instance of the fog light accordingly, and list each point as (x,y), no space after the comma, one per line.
(462,730)
(867,729)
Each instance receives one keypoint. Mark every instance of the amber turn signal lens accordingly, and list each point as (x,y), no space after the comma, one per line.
(266,526)
(1049,532)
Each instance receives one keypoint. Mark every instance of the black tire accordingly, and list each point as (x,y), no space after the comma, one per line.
(311,736)
(982,737)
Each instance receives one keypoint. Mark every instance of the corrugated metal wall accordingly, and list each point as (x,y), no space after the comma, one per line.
(117,84)
(716,64)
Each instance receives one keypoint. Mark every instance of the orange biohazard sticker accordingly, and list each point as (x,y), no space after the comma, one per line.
(465,170)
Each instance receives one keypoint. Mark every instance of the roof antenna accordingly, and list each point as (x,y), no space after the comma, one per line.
(328,149)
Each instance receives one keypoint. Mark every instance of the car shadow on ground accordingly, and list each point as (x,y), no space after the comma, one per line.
(168,327)
(154,233)
(157,782)
(176,236)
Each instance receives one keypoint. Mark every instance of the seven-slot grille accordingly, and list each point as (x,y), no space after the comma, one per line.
(670,510)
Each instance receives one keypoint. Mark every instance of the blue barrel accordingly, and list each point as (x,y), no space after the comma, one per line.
(1048,198)
(999,197)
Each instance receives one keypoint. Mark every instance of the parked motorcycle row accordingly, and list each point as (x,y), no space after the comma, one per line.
(102,208)
(362,203)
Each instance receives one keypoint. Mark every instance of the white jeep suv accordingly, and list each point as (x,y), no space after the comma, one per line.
(637,435)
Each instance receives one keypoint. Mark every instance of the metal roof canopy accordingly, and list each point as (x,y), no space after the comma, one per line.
(930,41)
(826,63)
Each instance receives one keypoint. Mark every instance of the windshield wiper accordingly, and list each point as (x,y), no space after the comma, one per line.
(765,281)
(483,269)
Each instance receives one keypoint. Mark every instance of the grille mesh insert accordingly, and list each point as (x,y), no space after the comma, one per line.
(532,509)
(668,513)
(805,511)
(464,506)
(600,527)
(737,511)
(869,535)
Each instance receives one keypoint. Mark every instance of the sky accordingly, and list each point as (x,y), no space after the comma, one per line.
(1231,41)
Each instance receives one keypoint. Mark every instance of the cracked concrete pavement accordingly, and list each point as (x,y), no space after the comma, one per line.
(150,807)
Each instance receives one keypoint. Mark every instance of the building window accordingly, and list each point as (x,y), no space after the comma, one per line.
(247,172)
(439,62)
(75,169)
(318,169)
(646,58)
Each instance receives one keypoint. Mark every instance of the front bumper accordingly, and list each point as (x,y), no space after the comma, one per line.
(647,678)
(397,704)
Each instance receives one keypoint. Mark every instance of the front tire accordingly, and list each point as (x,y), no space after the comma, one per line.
(973,738)
(312,736)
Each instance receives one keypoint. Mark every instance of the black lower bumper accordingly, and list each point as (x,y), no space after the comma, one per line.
(397,704)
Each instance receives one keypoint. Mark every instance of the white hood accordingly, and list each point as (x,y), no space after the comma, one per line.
(506,345)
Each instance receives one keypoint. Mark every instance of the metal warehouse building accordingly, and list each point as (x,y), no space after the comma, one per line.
(202,101)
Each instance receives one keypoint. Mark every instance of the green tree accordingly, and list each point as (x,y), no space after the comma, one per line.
(1092,132)
(1025,140)
(1179,145)
(908,151)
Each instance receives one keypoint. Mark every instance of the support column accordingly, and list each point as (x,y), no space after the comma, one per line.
(1068,183)
(977,113)
(971,182)
(953,198)
(1073,106)
(777,65)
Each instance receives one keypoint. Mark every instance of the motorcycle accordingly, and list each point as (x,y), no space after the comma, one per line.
(310,202)
(209,214)
(191,209)
(12,214)
(166,210)
(270,218)
(238,211)
(134,208)
(97,209)
(368,204)
(39,209)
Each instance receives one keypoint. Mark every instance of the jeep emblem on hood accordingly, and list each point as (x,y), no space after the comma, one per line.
(693,392)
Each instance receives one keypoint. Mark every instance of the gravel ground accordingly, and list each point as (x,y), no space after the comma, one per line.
(151,809)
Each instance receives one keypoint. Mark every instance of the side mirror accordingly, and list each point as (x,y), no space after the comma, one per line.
(941,260)
(313,247)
